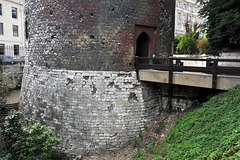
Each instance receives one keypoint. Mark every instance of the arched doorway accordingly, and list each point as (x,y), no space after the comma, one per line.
(142,45)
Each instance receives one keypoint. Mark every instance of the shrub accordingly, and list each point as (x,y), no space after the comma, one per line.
(203,46)
(188,44)
(176,42)
(26,139)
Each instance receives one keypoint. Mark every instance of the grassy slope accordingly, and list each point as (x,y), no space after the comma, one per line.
(211,132)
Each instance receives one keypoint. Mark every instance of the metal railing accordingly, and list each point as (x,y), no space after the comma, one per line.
(12,52)
(173,64)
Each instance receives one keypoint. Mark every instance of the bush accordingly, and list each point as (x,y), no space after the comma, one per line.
(26,139)
(188,44)
(203,46)
(176,42)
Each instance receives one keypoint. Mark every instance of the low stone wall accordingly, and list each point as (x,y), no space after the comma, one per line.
(12,75)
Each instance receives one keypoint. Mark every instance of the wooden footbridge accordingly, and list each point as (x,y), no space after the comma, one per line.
(217,73)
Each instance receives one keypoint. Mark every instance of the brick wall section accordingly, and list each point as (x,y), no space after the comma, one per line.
(95,35)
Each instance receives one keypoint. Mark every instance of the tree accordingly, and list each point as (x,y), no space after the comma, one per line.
(200,1)
(187,43)
(222,24)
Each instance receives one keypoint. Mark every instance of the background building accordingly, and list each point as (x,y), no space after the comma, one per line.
(11,28)
(186,10)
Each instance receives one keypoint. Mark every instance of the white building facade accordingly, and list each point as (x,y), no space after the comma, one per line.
(11,28)
(186,10)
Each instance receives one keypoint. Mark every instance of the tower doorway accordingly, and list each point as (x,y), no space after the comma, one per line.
(142,45)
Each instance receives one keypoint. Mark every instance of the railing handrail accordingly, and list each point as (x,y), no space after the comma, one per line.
(211,67)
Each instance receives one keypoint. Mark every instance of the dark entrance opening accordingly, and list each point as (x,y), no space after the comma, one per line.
(142,45)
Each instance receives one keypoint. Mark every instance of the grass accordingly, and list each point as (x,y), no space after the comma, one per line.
(211,132)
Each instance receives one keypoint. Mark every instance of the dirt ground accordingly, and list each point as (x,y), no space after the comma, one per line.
(13,96)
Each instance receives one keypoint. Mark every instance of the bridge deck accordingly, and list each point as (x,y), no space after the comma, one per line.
(171,70)
(189,79)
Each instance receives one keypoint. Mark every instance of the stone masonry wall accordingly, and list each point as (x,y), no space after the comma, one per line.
(79,75)
(96,35)
(11,76)
(92,112)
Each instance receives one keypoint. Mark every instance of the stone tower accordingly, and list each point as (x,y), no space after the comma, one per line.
(79,77)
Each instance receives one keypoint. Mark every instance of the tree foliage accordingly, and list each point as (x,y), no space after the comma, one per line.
(187,43)
(222,24)
(203,46)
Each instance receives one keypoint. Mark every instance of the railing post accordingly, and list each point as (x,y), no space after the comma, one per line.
(214,77)
(170,76)
(137,66)
(208,62)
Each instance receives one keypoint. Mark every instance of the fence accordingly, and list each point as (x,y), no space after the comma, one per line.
(15,51)
(176,65)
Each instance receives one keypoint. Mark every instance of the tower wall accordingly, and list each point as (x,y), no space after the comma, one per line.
(79,77)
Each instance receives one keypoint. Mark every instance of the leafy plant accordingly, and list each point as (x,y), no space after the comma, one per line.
(27,139)
(176,42)
(139,154)
(188,44)
(135,141)
(222,24)
(203,45)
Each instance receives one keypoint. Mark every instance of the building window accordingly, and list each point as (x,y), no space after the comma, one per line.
(190,19)
(183,28)
(194,19)
(14,12)
(184,6)
(0,9)
(179,16)
(1,28)
(179,4)
(195,10)
(184,18)
(190,9)
(15,30)
(2,49)
(178,26)
(16,49)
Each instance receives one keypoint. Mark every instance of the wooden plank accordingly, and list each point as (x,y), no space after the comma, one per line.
(229,70)
(170,79)
(214,77)
(192,69)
